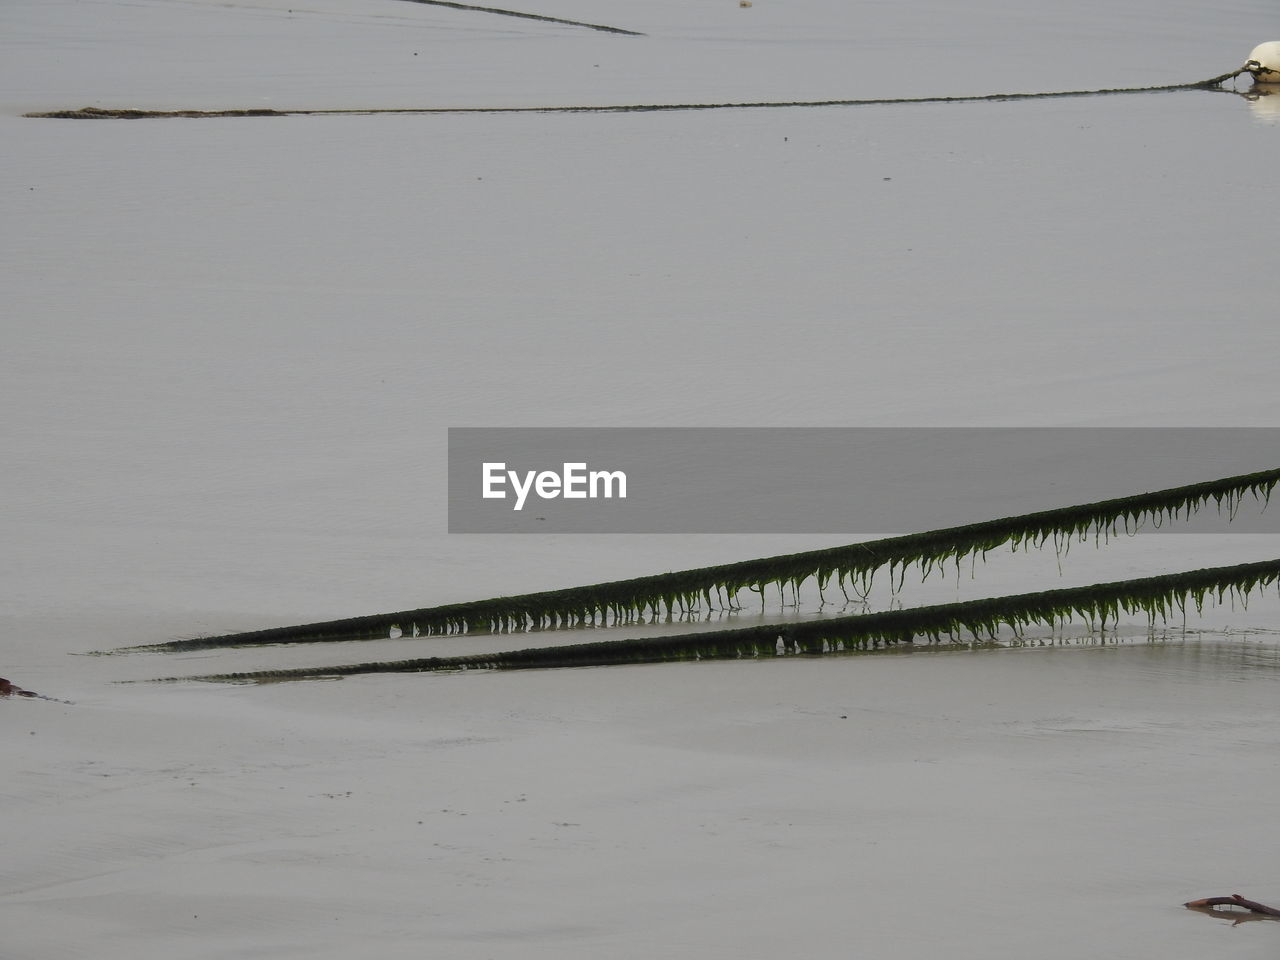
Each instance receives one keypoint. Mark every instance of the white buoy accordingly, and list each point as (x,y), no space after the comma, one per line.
(1264,62)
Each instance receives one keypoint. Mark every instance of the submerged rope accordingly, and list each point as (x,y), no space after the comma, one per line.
(98,113)
(1158,597)
(686,589)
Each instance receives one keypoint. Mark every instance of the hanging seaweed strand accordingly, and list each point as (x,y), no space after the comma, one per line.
(624,600)
(1158,598)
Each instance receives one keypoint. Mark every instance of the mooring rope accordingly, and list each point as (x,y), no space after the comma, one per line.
(127,113)
(621,600)
(1159,597)
(529,16)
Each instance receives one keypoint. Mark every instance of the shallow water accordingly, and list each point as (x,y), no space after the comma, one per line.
(1061,800)
(233,348)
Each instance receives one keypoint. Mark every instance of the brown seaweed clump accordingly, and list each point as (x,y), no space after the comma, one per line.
(8,689)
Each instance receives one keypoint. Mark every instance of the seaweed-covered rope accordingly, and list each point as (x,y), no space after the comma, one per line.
(124,113)
(688,589)
(1157,597)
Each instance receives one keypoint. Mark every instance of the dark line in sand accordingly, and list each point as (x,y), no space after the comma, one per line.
(98,113)
(528,16)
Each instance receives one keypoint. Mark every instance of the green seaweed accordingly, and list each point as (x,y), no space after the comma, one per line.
(853,566)
(1159,598)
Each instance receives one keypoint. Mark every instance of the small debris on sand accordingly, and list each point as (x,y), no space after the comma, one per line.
(8,689)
